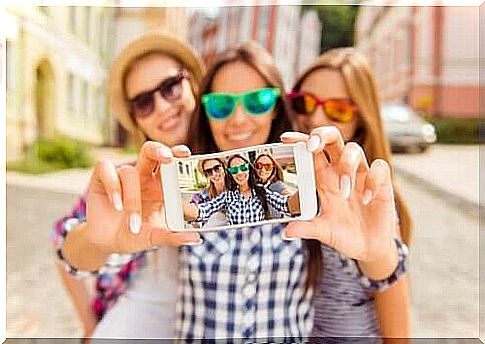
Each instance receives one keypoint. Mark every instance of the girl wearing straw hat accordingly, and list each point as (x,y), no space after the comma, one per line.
(152,87)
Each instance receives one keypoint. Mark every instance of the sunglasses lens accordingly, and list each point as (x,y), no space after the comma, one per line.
(171,89)
(260,101)
(244,168)
(339,110)
(233,170)
(143,105)
(303,104)
(218,106)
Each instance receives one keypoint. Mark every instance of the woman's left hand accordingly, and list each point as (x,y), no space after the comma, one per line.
(356,216)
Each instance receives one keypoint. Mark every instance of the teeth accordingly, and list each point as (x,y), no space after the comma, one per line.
(240,137)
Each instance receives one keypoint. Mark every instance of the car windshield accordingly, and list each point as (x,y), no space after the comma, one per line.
(396,112)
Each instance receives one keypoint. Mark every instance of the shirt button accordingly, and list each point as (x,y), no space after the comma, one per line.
(251,278)
(248,318)
(249,290)
(253,264)
(255,236)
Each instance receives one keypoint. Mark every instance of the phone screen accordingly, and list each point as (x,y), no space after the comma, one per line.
(241,187)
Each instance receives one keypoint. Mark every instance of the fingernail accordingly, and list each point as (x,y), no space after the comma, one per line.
(288,135)
(345,185)
(183,149)
(165,152)
(367,197)
(194,243)
(116,197)
(284,237)
(313,143)
(135,223)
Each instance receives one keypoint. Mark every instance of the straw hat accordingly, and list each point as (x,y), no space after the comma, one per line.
(152,42)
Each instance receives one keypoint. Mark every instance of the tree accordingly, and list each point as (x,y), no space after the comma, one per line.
(338,22)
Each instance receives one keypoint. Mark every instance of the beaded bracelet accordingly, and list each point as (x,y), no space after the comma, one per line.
(380,285)
(111,266)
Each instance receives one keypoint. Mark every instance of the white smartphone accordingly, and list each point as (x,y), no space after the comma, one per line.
(251,186)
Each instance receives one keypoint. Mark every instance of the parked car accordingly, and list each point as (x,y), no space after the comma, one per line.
(405,129)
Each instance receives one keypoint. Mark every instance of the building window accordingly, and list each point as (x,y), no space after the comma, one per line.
(72,18)
(87,24)
(101,105)
(263,25)
(71,100)
(11,65)
(83,99)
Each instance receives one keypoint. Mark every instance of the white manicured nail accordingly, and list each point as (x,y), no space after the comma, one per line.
(313,143)
(367,197)
(345,186)
(165,152)
(284,237)
(135,223)
(116,198)
(194,243)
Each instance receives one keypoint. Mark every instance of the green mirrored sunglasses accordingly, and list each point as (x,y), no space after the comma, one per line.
(220,106)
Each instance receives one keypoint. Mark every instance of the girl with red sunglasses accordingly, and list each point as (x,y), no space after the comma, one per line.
(338,89)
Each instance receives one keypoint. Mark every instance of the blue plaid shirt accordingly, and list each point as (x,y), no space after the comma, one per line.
(247,283)
(241,209)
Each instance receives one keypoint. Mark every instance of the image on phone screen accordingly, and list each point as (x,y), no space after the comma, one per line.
(239,188)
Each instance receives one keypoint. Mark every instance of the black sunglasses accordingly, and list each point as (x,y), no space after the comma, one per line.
(211,170)
(170,89)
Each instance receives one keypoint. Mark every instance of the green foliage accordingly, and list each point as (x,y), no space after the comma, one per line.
(456,130)
(51,155)
(337,25)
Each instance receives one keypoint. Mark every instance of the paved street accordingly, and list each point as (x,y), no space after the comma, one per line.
(444,264)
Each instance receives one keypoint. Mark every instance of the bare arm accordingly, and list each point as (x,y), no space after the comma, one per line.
(393,311)
(80,296)
(294,203)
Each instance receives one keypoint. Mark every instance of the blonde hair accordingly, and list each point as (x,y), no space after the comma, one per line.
(361,86)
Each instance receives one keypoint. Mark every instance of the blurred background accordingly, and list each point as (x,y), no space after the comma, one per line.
(426,61)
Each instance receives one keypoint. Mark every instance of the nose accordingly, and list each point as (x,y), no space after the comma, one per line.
(161,105)
(239,117)
(319,117)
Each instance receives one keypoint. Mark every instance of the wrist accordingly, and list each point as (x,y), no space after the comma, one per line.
(379,268)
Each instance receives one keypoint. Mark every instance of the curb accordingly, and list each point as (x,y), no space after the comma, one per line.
(465,205)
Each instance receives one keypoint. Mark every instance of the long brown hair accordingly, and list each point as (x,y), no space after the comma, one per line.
(258,58)
(276,173)
(361,86)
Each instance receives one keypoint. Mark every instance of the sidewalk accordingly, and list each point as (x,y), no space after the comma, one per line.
(73,181)
(449,170)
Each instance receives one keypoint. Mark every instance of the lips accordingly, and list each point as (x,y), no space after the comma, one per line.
(237,137)
(170,122)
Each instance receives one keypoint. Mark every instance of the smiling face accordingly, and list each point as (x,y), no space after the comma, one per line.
(241,129)
(326,84)
(241,177)
(217,177)
(169,121)
(264,173)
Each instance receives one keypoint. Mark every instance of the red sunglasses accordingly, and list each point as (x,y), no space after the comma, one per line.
(337,109)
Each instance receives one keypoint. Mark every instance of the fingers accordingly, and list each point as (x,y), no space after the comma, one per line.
(353,168)
(105,176)
(130,184)
(181,151)
(328,138)
(315,229)
(162,237)
(151,154)
(293,137)
(378,183)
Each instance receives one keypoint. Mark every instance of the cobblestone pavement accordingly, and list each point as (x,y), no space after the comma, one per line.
(443,265)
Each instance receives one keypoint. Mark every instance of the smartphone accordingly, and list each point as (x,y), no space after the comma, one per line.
(252,186)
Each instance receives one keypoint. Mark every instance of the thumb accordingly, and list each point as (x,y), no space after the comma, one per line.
(305,230)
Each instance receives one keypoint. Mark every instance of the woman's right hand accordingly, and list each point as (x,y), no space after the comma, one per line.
(125,209)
